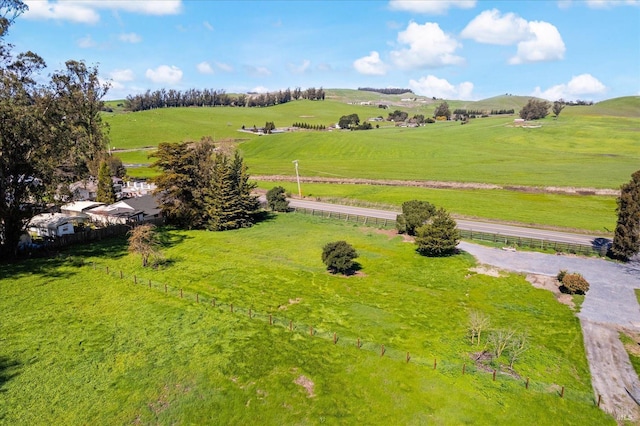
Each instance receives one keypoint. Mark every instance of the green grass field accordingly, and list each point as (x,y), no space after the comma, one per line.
(584,147)
(587,146)
(592,213)
(83,347)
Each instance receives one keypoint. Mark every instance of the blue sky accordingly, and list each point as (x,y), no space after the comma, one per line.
(463,49)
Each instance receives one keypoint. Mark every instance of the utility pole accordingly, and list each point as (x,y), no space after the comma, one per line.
(298,178)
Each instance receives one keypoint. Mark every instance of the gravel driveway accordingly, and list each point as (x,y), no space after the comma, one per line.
(610,304)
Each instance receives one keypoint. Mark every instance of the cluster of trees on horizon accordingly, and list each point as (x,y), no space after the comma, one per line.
(172,98)
(388,91)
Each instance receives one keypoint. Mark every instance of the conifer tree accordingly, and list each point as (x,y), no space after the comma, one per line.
(105,194)
(626,240)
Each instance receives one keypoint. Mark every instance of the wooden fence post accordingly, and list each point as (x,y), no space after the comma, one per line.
(494,375)
(335,338)
(408,357)
(290,325)
(464,367)
(599,400)
(135,279)
(197,298)
(121,274)
(526,386)
(435,363)
(270,319)
(358,344)
(562,392)
(311,330)
(180,293)
(213,302)
(107,270)
(149,283)
(382,350)
(231,306)
(166,290)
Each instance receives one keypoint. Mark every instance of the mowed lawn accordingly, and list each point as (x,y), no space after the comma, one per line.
(80,346)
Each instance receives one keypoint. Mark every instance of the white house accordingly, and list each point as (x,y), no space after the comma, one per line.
(79,208)
(126,211)
(51,224)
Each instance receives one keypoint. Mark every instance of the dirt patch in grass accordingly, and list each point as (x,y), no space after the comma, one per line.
(487,270)
(306,383)
(291,302)
(547,282)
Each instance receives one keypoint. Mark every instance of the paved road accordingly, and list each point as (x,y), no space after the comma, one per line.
(468,225)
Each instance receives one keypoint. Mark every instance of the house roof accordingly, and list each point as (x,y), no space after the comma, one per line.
(80,206)
(50,220)
(130,207)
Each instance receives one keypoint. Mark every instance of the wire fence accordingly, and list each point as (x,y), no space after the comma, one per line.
(449,368)
(532,243)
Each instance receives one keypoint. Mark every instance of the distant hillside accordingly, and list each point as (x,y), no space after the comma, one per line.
(628,106)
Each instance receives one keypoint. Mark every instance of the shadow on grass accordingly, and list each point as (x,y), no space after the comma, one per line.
(8,370)
(264,216)
(168,236)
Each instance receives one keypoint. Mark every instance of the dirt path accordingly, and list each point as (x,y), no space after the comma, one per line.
(609,306)
(446,185)
(612,375)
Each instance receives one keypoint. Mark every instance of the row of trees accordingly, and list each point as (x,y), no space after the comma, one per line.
(210,98)
(387,91)
(51,131)
(199,188)
(303,125)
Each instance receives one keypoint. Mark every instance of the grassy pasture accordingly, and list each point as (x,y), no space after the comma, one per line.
(593,213)
(576,150)
(79,346)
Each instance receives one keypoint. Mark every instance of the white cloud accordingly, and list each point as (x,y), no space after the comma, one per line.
(204,68)
(491,28)
(546,45)
(537,40)
(86,11)
(121,75)
(430,6)
(86,42)
(441,88)
(606,4)
(260,89)
(258,71)
(370,65)
(578,87)
(300,69)
(224,67)
(429,46)
(207,25)
(165,74)
(67,11)
(130,38)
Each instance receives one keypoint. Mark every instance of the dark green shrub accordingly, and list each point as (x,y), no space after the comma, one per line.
(277,199)
(338,256)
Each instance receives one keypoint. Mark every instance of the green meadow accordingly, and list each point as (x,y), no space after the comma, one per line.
(80,346)
(586,147)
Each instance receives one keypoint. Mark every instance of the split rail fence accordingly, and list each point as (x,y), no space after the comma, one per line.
(431,363)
